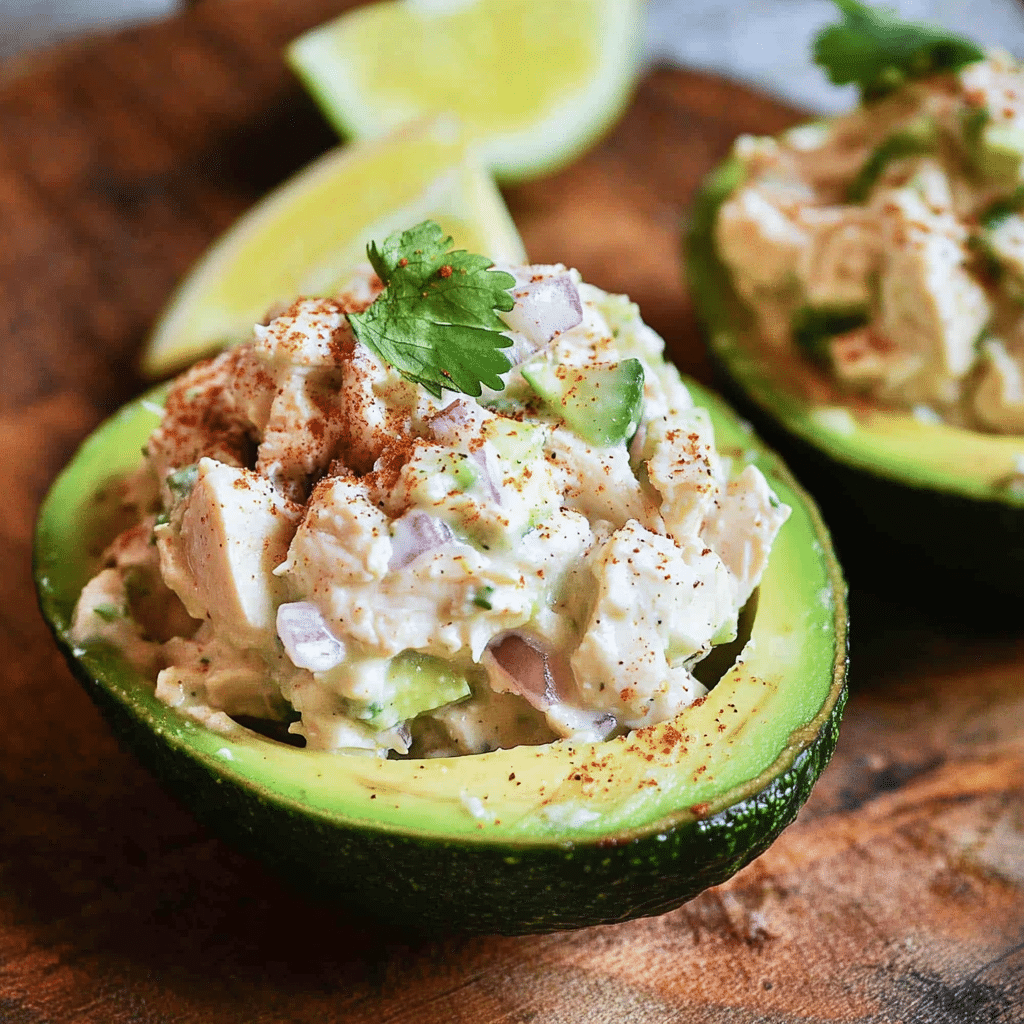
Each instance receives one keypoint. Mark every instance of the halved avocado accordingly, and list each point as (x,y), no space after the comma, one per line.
(911,502)
(524,840)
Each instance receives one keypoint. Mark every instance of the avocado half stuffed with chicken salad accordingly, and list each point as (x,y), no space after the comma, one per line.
(862,283)
(448,597)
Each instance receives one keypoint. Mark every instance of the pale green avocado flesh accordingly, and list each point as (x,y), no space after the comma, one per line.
(521,840)
(938,493)
(603,404)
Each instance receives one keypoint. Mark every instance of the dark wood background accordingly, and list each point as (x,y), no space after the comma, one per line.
(898,896)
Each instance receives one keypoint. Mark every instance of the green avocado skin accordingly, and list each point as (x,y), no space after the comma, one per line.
(425,886)
(964,555)
(414,880)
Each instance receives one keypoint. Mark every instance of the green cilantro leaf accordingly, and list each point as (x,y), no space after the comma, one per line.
(435,321)
(874,49)
(181,481)
(996,212)
(814,327)
(914,139)
(108,612)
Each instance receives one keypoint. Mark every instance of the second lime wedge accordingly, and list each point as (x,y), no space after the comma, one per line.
(534,81)
(305,237)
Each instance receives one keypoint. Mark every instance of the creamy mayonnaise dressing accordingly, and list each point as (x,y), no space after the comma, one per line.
(325,543)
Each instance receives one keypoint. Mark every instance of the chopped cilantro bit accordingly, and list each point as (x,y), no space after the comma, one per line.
(137,586)
(985,262)
(877,51)
(465,474)
(994,215)
(814,326)
(972,124)
(181,481)
(435,321)
(914,139)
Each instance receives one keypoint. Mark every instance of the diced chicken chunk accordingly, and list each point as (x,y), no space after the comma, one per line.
(380,406)
(219,553)
(343,538)
(865,360)
(685,469)
(310,332)
(758,241)
(596,481)
(999,396)
(207,672)
(1006,242)
(303,430)
(742,529)
(657,604)
(841,257)
(930,304)
(201,419)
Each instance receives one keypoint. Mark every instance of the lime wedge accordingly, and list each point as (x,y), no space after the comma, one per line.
(534,81)
(306,236)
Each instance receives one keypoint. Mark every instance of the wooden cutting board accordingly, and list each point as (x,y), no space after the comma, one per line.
(898,896)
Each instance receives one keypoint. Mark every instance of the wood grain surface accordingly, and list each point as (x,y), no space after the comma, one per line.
(898,895)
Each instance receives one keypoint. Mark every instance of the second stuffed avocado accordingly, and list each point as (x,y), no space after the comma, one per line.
(858,281)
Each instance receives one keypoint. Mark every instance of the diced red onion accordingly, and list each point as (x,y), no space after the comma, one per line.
(490,474)
(459,419)
(581,723)
(414,534)
(604,724)
(520,350)
(307,640)
(399,737)
(545,308)
(516,664)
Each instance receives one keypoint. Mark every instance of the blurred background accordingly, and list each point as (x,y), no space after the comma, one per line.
(761,42)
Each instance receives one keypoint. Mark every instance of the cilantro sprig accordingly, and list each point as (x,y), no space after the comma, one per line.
(999,209)
(914,139)
(436,320)
(874,49)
